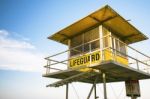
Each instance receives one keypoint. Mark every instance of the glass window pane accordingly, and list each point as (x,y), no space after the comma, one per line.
(76,41)
(117,46)
(105,42)
(91,35)
(122,48)
(86,47)
(76,51)
(105,31)
(83,40)
(95,45)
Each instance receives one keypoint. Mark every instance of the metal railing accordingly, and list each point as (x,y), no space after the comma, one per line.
(135,58)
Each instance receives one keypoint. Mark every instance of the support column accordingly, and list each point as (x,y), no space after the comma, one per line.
(104,85)
(93,87)
(67,89)
(95,95)
(90,92)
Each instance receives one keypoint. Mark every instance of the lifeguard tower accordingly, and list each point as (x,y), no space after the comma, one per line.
(99,52)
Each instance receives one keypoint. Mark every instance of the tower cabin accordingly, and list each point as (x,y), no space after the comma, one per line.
(99,52)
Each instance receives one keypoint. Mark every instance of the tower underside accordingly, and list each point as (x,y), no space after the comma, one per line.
(114,71)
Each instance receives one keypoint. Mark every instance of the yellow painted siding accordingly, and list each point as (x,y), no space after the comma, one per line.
(107,56)
(122,60)
(85,60)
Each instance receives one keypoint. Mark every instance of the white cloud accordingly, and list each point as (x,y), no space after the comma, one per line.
(19,54)
(3,33)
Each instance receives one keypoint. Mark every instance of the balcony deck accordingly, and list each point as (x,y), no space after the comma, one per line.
(114,71)
(117,66)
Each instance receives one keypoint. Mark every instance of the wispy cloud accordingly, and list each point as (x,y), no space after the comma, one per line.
(19,54)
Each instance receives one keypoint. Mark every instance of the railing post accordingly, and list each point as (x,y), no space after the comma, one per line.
(48,67)
(101,41)
(137,64)
(90,52)
(114,48)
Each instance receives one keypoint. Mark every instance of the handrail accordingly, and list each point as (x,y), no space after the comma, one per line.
(71,49)
(132,48)
(56,61)
(139,52)
(114,52)
(130,57)
(96,40)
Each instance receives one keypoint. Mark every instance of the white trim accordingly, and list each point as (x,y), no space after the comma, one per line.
(101,41)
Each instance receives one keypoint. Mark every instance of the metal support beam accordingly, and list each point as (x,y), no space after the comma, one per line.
(90,92)
(95,95)
(93,87)
(67,90)
(104,85)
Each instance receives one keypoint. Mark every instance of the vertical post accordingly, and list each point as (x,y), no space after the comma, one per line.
(111,45)
(69,52)
(67,89)
(114,48)
(137,64)
(93,87)
(48,66)
(104,85)
(95,91)
(101,41)
(90,92)
(90,53)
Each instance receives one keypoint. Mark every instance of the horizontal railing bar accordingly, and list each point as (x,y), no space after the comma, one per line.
(56,54)
(131,47)
(71,49)
(56,69)
(59,62)
(114,50)
(56,61)
(130,57)
(139,52)
(103,50)
(96,40)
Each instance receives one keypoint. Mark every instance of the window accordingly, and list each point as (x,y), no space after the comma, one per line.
(117,44)
(105,42)
(76,41)
(105,31)
(120,47)
(95,45)
(105,37)
(83,41)
(90,36)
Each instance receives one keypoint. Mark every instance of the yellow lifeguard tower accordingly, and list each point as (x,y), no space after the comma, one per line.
(99,52)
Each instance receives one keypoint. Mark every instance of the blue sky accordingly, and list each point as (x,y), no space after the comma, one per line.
(25,26)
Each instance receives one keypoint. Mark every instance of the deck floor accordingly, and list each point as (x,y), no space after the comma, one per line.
(114,71)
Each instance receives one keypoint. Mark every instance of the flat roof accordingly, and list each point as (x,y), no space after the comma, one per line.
(105,16)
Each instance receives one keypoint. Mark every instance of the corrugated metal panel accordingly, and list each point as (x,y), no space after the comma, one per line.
(105,16)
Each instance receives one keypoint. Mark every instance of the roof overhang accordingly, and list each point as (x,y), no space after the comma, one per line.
(105,16)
